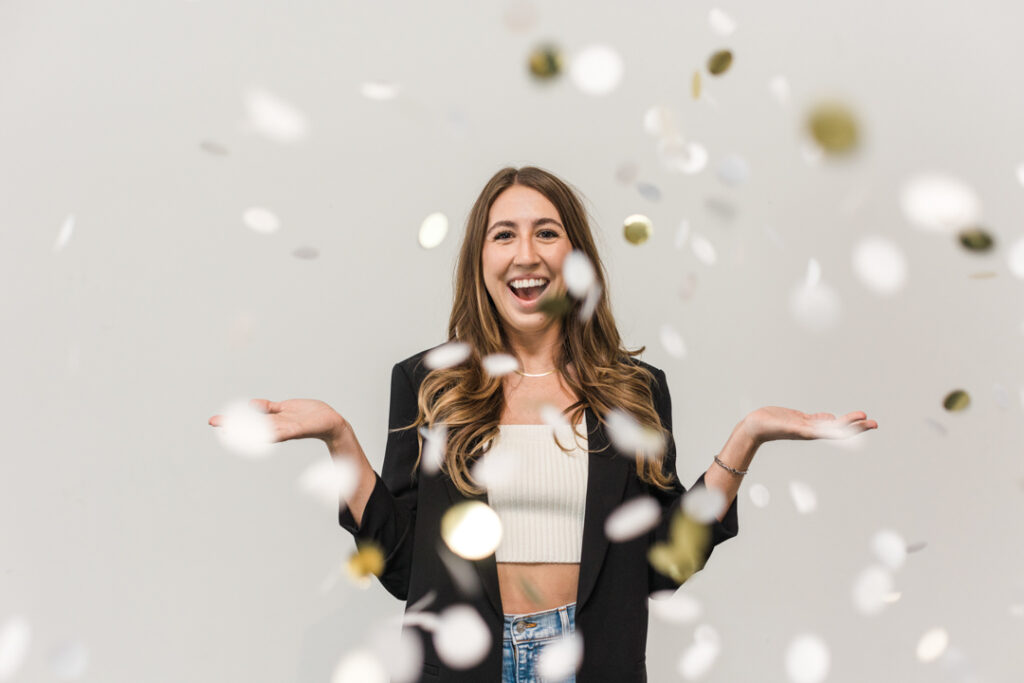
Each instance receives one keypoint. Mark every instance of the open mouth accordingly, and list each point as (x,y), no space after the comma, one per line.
(528,289)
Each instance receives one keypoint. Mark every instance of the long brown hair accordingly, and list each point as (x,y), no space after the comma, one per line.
(470,402)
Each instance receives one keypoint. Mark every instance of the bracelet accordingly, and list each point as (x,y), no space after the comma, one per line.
(730,469)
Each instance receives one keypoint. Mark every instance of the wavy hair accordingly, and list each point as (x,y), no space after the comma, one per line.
(470,402)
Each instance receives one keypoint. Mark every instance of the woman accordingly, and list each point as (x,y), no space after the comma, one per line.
(555,571)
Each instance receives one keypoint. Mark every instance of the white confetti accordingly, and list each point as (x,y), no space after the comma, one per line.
(15,638)
(402,657)
(660,121)
(471,529)
(703,250)
(813,276)
(733,170)
(499,364)
(433,230)
(698,658)
(359,666)
(274,118)
(596,70)
(377,90)
(804,498)
(578,273)
(64,236)
(631,438)
(561,658)
(553,417)
(936,201)
(332,482)
(631,519)
(682,232)
(890,548)
(703,504)
(261,219)
(461,638)
(245,430)
(447,355)
(1020,174)
(880,265)
(684,157)
(816,308)
(69,661)
(674,606)
(932,645)
(721,23)
(807,659)
(435,439)
(672,341)
(779,87)
(1015,257)
(494,467)
(871,590)
(759,495)
(590,303)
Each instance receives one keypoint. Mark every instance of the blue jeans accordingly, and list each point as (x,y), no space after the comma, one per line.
(525,636)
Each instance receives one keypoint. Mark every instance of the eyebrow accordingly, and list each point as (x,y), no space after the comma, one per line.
(513,224)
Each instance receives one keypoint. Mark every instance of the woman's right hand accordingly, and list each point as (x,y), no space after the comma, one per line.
(297,418)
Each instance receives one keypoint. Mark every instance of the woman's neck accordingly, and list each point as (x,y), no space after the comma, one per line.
(536,351)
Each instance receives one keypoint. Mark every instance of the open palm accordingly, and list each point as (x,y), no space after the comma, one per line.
(773,423)
(294,418)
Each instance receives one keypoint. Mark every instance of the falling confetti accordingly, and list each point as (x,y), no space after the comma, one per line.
(462,572)
(578,273)
(521,16)
(631,438)
(681,156)
(590,303)
(779,87)
(637,229)
(471,529)
(500,364)
(760,496)
(916,546)
(675,606)
(932,644)
(596,70)
(433,230)
(378,90)
(553,417)
(660,122)
(367,561)
(815,308)
(703,504)
(833,127)
(956,400)
(649,191)
(15,638)
(1015,257)
(683,553)
(719,62)
(672,341)
(332,482)
(890,548)
(631,519)
(545,62)
(682,232)
(703,249)
(699,657)
(976,239)
(461,639)
(560,658)
(274,118)
(804,498)
(939,202)
(554,305)
(447,355)
(807,659)
(360,666)
(871,590)
(880,265)
(733,170)
(721,23)
(403,658)
(245,430)
(626,173)
(64,236)
(435,439)
(261,219)
(494,467)
(695,85)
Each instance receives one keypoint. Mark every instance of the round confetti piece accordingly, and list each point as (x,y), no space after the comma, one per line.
(779,87)
(649,191)
(932,644)
(719,62)
(733,170)
(330,481)
(880,265)
(500,364)
(703,249)
(804,497)
(631,438)
(596,70)
(578,273)
(15,638)
(976,239)
(871,590)
(674,606)
(815,308)
(703,504)
(660,122)
(545,62)
(261,219)
(433,230)
(359,666)
(939,202)
(561,657)
(554,305)
(956,400)
(699,657)
(721,23)
(461,639)
(807,659)
(890,548)
(245,430)
(637,229)
(833,127)
(672,341)
(403,658)
(631,519)
(367,561)
(680,156)
(447,355)
(274,118)
(760,496)
(471,529)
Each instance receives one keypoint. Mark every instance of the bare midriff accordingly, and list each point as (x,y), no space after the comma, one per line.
(535,586)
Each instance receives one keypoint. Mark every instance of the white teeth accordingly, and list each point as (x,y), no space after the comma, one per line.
(519,284)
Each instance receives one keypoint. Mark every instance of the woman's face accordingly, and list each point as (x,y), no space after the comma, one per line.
(524,248)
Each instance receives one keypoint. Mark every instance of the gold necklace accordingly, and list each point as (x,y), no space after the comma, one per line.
(540,374)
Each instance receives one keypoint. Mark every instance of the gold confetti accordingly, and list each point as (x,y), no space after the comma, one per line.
(637,229)
(976,239)
(366,561)
(471,530)
(833,127)
(555,305)
(545,62)
(695,85)
(719,62)
(683,553)
(956,400)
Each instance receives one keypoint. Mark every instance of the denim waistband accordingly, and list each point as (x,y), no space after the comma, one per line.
(540,626)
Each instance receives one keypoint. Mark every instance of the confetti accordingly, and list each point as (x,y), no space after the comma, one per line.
(553,417)
(545,62)
(461,639)
(684,157)
(637,229)
(631,438)
(815,308)
(471,529)
(1015,257)
(626,173)
(760,496)
(804,498)
(214,148)
(932,644)
(261,219)
(499,364)
(649,191)
(871,588)
(916,546)
(274,118)
(703,249)
(880,265)
(433,230)
(15,638)
(674,606)
(695,85)
(939,202)
(435,439)
(64,236)
(590,303)
(447,355)
(719,62)
(890,548)
(521,16)
(956,400)
(721,23)
(494,467)
(365,562)
(672,341)
(733,170)
(682,232)
(779,87)
(703,504)
(554,305)
(976,239)
(833,127)
(379,90)
(683,553)
(578,273)
(698,658)
(403,658)
(463,574)
(245,430)
(807,659)
(561,658)
(631,519)
(660,122)
(596,70)
(359,666)
(331,482)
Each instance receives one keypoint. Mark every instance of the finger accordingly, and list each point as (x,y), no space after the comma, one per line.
(215,421)
(262,404)
(856,415)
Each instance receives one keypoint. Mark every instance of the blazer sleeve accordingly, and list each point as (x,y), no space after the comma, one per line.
(389,519)
(671,500)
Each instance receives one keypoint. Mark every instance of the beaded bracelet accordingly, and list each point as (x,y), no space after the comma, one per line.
(730,469)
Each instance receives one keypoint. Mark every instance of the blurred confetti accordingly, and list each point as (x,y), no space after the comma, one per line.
(703,249)
(880,265)
(674,606)
(500,364)
(721,23)
(648,191)
(695,85)
(626,173)
(560,657)
(890,548)
(435,439)
(471,529)
(682,232)
(703,504)
(976,239)
(684,157)
(214,148)
(932,644)
(447,355)
(759,495)
(273,117)
(672,341)
(463,574)
(871,590)
(553,417)
(433,230)
(1015,257)
(554,304)
(461,639)
(64,236)
(578,273)
(719,62)
(779,87)
(359,666)
(261,219)
(521,16)
(366,561)
(332,482)
(956,400)
(917,546)
(245,430)
(699,657)
(631,438)
(733,170)
(637,228)
(596,70)
(545,62)
(306,253)
(939,202)
(833,126)
(633,518)
(15,638)
(379,90)
(807,659)
(804,498)
(402,657)
(683,553)
(815,307)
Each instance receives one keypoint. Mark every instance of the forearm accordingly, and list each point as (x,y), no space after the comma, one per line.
(342,443)
(737,453)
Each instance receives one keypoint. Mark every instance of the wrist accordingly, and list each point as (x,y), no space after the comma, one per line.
(340,437)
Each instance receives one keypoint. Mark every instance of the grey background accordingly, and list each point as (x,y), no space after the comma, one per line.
(127,528)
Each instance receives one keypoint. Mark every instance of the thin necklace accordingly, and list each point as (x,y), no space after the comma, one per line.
(539,374)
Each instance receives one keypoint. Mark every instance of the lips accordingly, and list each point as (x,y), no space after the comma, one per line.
(528,289)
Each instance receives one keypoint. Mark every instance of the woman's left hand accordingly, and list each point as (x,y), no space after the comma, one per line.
(772,423)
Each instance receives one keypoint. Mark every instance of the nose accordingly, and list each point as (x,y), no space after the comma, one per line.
(526,253)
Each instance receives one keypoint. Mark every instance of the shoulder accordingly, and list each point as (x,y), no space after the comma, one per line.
(413,366)
(657,374)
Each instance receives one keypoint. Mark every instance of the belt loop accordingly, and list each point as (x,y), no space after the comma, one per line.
(563,612)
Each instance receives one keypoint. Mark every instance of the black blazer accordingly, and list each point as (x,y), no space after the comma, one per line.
(403,515)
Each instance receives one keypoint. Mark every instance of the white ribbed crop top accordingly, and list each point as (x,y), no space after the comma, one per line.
(538,491)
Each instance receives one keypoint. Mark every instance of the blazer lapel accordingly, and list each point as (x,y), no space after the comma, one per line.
(487,568)
(606,480)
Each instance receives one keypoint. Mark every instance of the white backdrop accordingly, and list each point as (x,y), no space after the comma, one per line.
(138,302)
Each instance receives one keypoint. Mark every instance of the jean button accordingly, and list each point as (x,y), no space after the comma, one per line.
(520,627)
